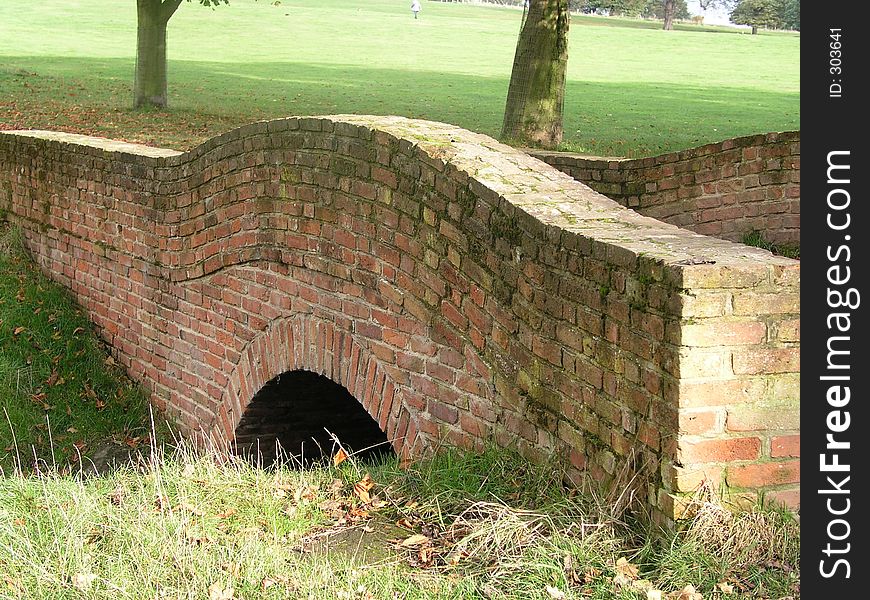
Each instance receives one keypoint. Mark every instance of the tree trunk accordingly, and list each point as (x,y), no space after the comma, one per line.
(536,94)
(149,88)
(670,7)
(754,29)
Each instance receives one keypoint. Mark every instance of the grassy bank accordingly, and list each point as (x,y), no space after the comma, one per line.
(186,525)
(632,89)
(62,396)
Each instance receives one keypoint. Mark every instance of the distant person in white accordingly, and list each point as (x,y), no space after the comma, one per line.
(415,7)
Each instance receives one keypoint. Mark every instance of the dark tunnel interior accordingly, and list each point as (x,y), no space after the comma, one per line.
(292,417)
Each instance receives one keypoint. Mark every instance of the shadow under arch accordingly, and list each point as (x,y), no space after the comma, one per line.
(295,416)
(304,350)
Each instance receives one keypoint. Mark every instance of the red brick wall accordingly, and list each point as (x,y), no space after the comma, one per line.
(460,289)
(725,189)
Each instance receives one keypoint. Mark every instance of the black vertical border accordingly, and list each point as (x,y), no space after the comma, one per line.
(833,124)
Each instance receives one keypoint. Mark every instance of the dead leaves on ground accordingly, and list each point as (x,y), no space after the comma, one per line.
(348,510)
(83,581)
(339,457)
(361,488)
(220,591)
(628,577)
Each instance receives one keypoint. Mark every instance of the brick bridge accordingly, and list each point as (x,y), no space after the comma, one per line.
(459,289)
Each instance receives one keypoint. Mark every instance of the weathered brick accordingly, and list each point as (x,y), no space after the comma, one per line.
(723,333)
(767,304)
(690,479)
(764,474)
(755,361)
(785,446)
(763,416)
(702,422)
(692,451)
(704,364)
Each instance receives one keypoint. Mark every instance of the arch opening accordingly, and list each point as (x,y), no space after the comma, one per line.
(293,415)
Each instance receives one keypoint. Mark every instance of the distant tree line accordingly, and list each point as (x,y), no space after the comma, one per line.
(653,9)
(770,14)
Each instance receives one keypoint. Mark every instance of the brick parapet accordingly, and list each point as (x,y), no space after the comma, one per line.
(461,290)
(726,189)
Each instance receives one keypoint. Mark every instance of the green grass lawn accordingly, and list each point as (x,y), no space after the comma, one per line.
(459,527)
(61,396)
(633,89)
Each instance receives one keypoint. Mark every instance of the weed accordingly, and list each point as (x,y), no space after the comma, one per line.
(757,239)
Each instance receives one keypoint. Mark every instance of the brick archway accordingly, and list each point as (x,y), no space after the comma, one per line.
(308,343)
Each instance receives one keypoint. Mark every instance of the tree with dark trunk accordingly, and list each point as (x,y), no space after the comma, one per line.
(149,88)
(536,94)
(757,13)
(669,9)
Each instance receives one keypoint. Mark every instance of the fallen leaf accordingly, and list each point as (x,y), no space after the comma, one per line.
(361,488)
(339,457)
(358,513)
(13,585)
(362,494)
(725,588)
(191,509)
(687,593)
(19,330)
(83,581)
(414,540)
(269,582)
(110,361)
(555,592)
(307,493)
(626,569)
(232,568)
(217,591)
(227,513)
(653,594)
